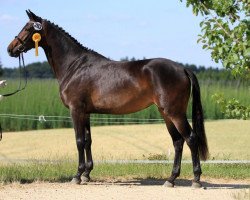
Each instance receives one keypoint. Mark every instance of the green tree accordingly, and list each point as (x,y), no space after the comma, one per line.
(225,31)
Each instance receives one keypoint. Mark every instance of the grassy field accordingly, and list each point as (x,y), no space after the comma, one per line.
(227,139)
(41,97)
(63,172)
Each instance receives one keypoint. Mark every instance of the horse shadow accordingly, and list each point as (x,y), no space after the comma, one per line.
(206,185)
(182,183)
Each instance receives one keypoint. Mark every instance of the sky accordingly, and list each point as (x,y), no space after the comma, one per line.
(115,29)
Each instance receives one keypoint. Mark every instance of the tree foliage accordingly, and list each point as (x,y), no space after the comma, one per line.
(232,108)
(225,31)
(43,70)
(34,70)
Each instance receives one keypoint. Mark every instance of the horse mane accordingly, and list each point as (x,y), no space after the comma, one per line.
(66,34)
(34,17)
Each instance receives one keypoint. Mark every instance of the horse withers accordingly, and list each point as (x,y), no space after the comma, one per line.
(91,83)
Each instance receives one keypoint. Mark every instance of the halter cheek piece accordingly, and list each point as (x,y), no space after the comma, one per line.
(37,26)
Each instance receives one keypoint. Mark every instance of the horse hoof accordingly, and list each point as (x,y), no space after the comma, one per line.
(85,179)
(76,181)
(196,184)
(168,184)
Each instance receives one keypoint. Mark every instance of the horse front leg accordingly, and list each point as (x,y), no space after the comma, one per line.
(89,162)
(79,122)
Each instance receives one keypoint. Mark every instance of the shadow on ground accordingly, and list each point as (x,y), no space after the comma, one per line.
(153,182)
(178,183)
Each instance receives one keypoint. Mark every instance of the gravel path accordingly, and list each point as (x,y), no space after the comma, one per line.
(142,189)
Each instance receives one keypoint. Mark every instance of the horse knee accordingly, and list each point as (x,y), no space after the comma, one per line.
(80,144)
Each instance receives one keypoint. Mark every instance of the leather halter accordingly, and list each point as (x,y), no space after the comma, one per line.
(36,28)
(22,47)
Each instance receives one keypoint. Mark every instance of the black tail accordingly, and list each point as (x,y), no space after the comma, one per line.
(197,116)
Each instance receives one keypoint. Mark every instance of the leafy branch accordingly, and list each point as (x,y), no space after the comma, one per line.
(232,108)
(225,31)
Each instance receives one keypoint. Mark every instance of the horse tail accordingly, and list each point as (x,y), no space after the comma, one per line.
(197,116)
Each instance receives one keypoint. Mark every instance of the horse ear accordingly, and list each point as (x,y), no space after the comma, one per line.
(29,14)
(33,17)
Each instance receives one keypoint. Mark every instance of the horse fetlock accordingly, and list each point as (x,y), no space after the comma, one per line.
(81,169)
(176,172)
(197,171)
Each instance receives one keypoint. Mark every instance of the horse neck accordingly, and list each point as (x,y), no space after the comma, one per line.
(61,51)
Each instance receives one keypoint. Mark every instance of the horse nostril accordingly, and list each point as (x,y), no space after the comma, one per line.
(9,51)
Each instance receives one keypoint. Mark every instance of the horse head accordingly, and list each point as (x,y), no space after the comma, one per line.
(24,41)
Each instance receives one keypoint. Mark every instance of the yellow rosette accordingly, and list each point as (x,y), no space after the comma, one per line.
(36,38)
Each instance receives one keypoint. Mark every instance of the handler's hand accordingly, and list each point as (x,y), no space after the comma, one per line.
(3,83)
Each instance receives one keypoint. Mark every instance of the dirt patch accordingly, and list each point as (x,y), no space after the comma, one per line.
(135,189)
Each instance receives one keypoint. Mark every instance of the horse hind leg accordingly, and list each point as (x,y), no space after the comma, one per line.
(191,139)
(178,142)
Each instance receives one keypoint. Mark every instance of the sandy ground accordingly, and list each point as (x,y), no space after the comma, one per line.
(136,189)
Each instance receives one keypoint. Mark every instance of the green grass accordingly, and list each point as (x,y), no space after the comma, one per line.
(41,97)
(63,172)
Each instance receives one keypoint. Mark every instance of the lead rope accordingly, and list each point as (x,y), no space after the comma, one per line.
(20,88)
(21,62)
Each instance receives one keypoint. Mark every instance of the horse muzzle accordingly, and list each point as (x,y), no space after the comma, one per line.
(16,47)
(14,52)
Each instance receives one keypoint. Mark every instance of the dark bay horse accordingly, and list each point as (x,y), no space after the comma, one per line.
(91,83)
